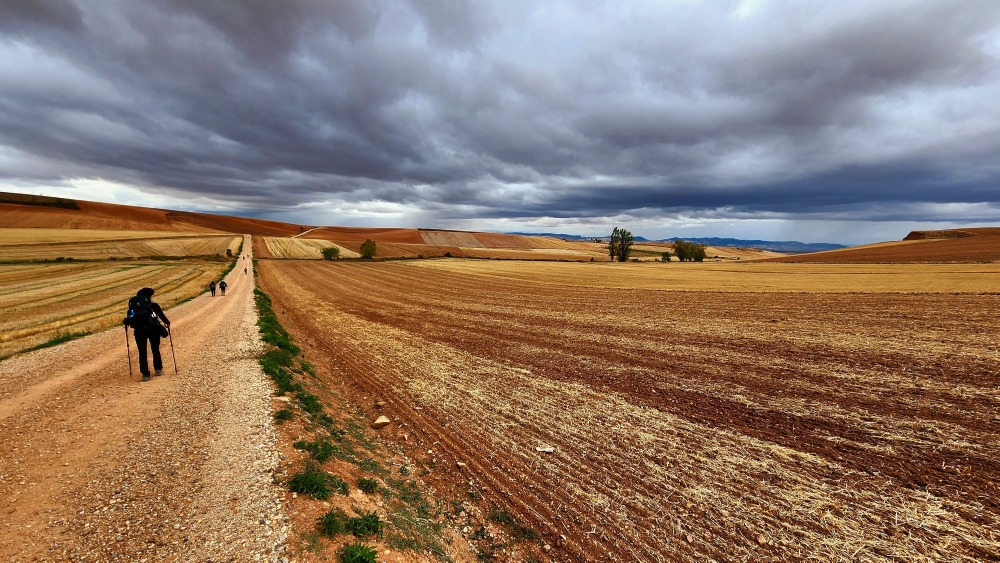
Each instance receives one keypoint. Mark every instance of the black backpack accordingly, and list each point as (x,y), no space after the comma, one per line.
(140,313)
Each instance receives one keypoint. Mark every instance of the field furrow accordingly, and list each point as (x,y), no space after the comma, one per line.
(685,424)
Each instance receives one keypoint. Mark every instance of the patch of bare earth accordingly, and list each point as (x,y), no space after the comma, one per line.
(98,466)
(630,424)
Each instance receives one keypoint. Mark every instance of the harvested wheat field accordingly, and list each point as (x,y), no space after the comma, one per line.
(92,244)
(40,302)
(312,249)
(622,420)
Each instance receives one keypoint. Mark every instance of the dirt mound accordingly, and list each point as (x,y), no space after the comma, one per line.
(24,211)
(963,246)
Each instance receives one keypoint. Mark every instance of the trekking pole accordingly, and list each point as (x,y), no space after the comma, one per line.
(170,334)
(128,350)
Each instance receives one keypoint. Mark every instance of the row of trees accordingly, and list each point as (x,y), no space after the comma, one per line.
(367,251)
(689,251)
(620,247)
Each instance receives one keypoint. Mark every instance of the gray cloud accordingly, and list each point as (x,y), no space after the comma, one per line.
(489,112)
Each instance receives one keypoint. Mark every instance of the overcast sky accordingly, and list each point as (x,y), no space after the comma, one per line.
(843,121)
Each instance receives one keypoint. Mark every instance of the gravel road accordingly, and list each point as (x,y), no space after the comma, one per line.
(98,466)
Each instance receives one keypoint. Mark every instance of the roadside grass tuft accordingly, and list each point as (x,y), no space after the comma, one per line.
(367,524)
(321,450)
(357,553)
(316,483)
(309,403)
(332,523)
(367,485)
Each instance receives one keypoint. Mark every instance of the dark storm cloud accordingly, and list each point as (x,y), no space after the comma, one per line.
(513,110)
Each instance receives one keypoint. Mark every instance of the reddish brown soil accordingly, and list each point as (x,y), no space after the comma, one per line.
(359,234)
(94,215)
(765,406)
(974,245)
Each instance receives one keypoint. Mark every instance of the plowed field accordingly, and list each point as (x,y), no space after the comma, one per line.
(685,425)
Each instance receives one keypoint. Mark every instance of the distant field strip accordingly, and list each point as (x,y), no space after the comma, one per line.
(40,301)
(748,277)
(689,425)
(18,244)
(306,248)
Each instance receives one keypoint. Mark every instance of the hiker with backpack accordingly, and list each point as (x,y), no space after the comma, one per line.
(211,286)
(144,316)
(222,286)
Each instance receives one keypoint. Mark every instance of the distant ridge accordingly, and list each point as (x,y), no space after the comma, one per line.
(789,246)
(786,246)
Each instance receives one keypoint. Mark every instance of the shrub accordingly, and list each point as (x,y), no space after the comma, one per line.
(332,523)
(367,485)
(665,256)
(331,253)
(283,415)
(357,553)
(365,525)
(367,249)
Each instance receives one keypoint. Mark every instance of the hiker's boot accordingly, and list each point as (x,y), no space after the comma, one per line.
(145,377)
(159,372)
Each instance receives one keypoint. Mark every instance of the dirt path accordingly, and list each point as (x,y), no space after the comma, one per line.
(99,466)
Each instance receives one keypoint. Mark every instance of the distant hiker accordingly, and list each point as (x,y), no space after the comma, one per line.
(144,317)
(244,271)
(211,286)
(222,286)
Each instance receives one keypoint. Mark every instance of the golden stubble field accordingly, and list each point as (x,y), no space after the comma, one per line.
(694,412)
(41,299)
(303,248)
(96,244)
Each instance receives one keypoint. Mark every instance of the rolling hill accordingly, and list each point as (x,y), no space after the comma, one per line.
(29,211)
(946,246)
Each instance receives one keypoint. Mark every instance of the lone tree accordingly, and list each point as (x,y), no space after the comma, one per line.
(367,249)
(620,245)
(689,251)
(331,253)
(665,257)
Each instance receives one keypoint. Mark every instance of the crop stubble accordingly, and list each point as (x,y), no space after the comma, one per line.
(686,424)
(40,301)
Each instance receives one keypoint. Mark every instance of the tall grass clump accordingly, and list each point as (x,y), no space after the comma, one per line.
(358,553)
(316,483)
